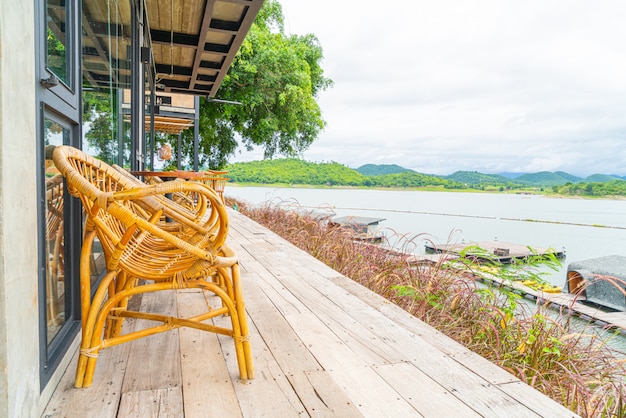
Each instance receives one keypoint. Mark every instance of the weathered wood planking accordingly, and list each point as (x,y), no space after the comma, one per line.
(103,395)
(425,394)
(427,358)
(148,368)
(321,396)
(154,403)
(313,387)
(206,381)
(490,400)
(270,393)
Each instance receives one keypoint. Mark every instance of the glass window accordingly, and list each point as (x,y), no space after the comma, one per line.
(58,37)
(106,42)
(57,304)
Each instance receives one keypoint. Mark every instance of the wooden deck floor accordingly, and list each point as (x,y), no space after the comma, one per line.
(323,346)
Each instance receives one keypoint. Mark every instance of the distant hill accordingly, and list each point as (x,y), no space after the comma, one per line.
(381,169)
(297,171)
(548,178)
(474,177)
(602,178)
(510,175)
(569,177)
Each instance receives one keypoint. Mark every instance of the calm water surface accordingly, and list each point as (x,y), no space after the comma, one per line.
(583,228)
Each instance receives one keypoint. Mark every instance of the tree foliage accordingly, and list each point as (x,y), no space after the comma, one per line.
(100,125)
(609,188)
(277,78)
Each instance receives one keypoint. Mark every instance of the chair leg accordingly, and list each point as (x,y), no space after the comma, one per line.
(239,328)
(88,351)
(85,276)
(93,340)
(243,321)
(229,281)
(113,326)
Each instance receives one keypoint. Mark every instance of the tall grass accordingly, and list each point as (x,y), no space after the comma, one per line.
(539,345)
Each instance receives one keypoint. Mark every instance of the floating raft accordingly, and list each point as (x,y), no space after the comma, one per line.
(503,252)
(363,228)
(601,281)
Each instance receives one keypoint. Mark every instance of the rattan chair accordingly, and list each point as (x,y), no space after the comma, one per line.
(217,181)
(143,256)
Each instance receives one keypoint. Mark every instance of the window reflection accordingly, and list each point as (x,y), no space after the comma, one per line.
(57,54)
(56,305)
(106,73)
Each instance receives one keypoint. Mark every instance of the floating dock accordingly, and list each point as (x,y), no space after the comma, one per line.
(499,251)
(600,280)
(363,228)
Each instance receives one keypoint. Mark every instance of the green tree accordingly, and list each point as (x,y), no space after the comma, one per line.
(100,125)
(277,78)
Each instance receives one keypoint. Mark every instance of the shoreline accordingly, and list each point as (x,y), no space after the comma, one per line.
(424,189)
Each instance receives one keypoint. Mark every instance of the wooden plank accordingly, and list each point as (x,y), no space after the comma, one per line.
(326,297)
(319,297)
(270,391)
(156,403)
(148,367)
(371,394)
(102,396)
(277,292)
(435,402)
(473,390)
(401,317)
(310,293)
(321,396)
(207,386)
(541,405)
(483,367)
(470,377)
(262,302)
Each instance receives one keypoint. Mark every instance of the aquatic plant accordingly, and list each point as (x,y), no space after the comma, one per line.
(544,347)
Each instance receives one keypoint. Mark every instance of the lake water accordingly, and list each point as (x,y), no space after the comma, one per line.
(583,228)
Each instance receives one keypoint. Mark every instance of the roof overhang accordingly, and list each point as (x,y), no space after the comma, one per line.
(192,42)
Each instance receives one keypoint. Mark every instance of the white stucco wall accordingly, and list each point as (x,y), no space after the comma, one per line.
(19,352)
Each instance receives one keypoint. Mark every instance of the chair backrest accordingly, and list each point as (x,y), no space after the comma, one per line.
(124,213)
(191,205)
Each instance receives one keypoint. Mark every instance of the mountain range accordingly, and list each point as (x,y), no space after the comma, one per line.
(542,178)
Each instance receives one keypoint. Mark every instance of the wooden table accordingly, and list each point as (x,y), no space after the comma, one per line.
(174,174)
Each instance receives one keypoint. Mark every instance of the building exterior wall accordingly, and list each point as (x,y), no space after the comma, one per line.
(19,332)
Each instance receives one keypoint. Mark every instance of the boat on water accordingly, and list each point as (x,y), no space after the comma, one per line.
(363,228)
(601,281)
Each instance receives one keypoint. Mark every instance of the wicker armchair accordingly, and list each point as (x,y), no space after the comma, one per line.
(216,180)
(144,254)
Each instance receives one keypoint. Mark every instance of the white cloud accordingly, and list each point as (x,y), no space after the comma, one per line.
(487,85)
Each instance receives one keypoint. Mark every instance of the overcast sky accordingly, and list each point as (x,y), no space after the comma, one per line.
(484,85)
